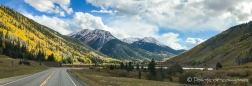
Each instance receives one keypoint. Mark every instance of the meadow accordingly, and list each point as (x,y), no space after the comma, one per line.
(8,70)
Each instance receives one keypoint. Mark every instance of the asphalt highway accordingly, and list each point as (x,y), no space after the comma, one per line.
(51,77)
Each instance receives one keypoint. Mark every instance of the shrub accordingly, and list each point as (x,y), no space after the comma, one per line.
(210,75)
(232,73)
(174,69)
(80,60)
(250,79)
(218,65)
(26,62)
(175,79)
(111,67)
(64,61)
(242,73)
(122,73)
(20,62)
(91,68)
(69,60)
(220,74)
(139,74)
(248,72)
(187,78)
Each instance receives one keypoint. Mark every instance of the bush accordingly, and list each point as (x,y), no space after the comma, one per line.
(174,69)
(91,68)
(232,73)
(239,73)
(250,79)
(80,60)
(122,73)
(188,78)
(69,60)
(175,79)
(210,75)
(64,61)
(25,62)
(111,67)
(248,72)
(20,62)
(218,65)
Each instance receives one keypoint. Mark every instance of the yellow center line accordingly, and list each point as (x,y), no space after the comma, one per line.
(42,84)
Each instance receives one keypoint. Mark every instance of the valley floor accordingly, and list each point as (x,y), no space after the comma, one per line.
(106,77)
(102,78)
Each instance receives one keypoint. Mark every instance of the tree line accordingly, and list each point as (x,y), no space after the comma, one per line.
(16,49)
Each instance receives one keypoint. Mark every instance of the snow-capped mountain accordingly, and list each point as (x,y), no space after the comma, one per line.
(129,48)
(97,36)
(152,40)
(153,45)
(106,43)
(130,40)
(145,39)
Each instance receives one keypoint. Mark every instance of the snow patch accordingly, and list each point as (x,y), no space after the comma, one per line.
(152,40)
(130,40)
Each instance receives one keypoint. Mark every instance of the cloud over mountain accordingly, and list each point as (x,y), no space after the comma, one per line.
(172,22)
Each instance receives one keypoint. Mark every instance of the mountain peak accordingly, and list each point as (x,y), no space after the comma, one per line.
(152,40)
(87,35)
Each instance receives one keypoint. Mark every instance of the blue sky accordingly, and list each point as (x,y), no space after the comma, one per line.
(180,24)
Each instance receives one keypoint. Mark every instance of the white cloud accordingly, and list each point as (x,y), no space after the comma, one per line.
(51,22)
(140,18)
(87,21)
(171,39)
(122,28)
(49,6)
(183,15)
(104,11)
(194,41)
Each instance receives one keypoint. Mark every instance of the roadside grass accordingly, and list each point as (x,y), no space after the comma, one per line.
(6,70)
(96,78)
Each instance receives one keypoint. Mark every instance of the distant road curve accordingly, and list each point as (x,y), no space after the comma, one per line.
(51,77)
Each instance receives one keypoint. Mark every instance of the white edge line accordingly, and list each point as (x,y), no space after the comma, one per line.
(71,79)
(21,79)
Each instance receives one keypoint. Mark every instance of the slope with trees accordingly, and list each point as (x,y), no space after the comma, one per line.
(40,41)
(231,47)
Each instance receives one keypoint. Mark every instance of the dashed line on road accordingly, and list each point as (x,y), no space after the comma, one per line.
(43,83)
(71,79)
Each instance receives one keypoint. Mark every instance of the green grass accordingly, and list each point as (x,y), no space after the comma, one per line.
(96,78)
(6,70)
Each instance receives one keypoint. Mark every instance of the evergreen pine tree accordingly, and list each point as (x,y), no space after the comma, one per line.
(139,74)
(121,65)
(130,66)
(218,65)
(162,73)
(137,67)
(151,67)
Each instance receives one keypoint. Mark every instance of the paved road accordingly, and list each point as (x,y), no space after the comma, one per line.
(51,77)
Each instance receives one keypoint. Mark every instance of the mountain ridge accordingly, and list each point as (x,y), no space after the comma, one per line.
(39,38)
(230,47)
(121,49)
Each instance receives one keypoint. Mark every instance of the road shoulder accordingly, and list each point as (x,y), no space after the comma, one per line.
(77,79)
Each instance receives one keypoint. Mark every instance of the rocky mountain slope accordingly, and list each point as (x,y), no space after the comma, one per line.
(107,44)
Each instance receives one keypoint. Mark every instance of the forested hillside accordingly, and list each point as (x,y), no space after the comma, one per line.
(24,38)
(231,47)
